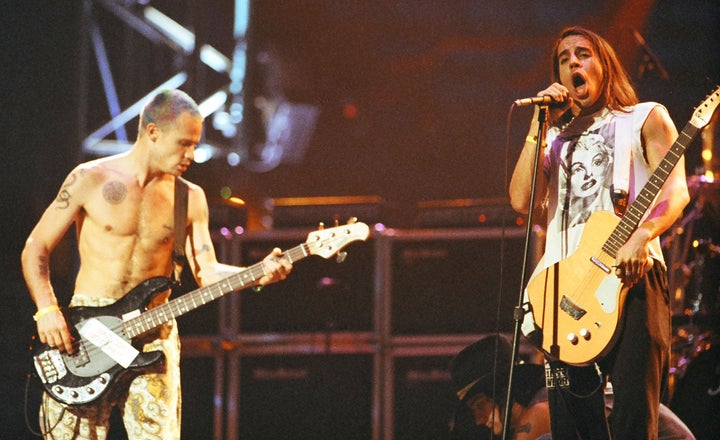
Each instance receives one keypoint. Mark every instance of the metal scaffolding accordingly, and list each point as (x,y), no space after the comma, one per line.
(177,56)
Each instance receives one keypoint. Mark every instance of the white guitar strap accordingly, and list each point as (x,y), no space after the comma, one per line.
(622,153)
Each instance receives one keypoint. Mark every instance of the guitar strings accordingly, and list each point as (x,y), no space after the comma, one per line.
(92,349)
(157,316)
(591,278)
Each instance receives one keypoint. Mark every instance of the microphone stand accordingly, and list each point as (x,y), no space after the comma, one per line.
(518,313)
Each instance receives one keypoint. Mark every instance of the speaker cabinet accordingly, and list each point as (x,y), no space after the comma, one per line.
(424,402)
(319,295)
(203,321)
(455,282)
(305,397)
(202,388)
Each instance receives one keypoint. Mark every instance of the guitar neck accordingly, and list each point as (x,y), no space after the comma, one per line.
(247,277)
(630,221)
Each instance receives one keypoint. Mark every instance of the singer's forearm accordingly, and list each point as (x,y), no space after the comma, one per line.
(521,181)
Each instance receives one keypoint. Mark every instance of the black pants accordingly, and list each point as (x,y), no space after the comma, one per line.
(637,367)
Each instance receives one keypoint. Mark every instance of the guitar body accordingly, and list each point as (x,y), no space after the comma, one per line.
(577,303)
(84,376)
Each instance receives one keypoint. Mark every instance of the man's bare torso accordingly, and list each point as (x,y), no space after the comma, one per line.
(125,230)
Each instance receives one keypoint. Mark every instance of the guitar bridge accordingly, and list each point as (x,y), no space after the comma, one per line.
(572,309)
(50,366)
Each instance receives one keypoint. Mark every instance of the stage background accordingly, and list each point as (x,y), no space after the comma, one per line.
(413,100)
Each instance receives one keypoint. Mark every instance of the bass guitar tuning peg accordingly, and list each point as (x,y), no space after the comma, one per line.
(341,257)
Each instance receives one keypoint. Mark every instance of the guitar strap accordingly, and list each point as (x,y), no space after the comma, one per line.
(622,155)
(180,220)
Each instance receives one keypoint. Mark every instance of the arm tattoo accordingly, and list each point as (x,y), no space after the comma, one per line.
(63,199)
(524,428)
(203,248)
(43,267)
(64,196)
(114,192)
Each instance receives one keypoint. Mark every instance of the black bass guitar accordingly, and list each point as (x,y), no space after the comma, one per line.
(106,337)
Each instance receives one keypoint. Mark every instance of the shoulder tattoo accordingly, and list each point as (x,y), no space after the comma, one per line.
(114,192)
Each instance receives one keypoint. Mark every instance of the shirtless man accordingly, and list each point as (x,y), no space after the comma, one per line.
(122,207)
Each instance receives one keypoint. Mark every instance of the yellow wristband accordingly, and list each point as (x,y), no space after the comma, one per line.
(531,139)
(44,311)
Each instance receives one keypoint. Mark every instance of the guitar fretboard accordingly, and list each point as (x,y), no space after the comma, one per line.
(246,278)
(637,209)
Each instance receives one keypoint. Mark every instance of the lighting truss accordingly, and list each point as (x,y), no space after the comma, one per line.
(159,29)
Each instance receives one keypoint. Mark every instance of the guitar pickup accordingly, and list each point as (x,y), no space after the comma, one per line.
(80,358)
(596,261)
(568,306)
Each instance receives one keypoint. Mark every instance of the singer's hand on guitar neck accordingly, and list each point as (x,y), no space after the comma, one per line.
(633,258)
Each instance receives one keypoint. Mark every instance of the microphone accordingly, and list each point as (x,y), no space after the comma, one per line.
(539,100)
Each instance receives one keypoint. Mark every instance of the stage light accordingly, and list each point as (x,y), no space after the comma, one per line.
(222,122)
(212,103)
(350,111)
(172,29)
(214,59)
(233,159)
(236,201)
(205,152)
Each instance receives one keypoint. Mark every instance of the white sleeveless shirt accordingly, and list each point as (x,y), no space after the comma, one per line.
(581,165)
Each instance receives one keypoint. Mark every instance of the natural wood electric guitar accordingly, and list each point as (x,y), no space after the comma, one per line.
(106,338)
(577,303)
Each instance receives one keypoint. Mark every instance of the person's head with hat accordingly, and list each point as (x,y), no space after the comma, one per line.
(480,377)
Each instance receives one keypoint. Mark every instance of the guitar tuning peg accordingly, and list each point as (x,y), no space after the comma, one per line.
(321,226)
(337,222)
(352,220)
(341,257)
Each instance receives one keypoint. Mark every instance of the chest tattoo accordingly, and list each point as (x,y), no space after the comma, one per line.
(114,192)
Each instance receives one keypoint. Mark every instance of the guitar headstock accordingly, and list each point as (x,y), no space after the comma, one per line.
(328,242)
(702,114)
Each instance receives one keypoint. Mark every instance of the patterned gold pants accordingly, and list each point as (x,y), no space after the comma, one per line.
(149,404)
